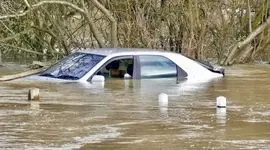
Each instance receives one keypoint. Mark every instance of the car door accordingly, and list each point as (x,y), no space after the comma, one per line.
(157,66)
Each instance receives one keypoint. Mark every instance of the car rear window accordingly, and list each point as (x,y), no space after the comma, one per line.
(157,67)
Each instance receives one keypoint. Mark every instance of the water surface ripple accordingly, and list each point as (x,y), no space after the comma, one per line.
(127,115)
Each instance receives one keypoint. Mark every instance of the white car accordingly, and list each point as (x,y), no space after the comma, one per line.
(127,63)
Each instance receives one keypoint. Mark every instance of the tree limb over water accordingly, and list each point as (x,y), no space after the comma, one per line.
(239,46)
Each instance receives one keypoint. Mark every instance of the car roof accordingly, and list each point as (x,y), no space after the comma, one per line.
(110,51)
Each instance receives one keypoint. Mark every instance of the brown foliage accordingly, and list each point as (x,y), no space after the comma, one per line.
(200,29)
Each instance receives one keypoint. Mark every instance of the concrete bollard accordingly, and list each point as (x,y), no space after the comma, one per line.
(221,102)
(33,94)
(221,112)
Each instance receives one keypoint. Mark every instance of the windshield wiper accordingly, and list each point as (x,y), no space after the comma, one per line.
(60,77)
(68,77)
(47,75)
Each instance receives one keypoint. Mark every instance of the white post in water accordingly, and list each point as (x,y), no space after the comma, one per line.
(33,94)
(221,103)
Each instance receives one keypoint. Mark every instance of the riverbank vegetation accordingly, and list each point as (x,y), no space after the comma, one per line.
(232,31)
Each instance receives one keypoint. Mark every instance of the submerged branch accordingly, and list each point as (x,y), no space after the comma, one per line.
(230,59)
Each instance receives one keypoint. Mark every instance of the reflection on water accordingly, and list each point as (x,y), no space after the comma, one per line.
(128,115)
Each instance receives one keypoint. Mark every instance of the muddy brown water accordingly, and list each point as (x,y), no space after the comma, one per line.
(127,115)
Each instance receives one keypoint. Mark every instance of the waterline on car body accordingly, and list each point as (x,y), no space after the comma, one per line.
(118,63)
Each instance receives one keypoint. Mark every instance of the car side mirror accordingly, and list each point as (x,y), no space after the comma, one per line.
(98,78)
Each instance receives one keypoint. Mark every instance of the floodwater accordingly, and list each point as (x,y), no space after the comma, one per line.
(128,115)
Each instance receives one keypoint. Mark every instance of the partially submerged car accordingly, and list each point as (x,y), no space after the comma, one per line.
(127,63)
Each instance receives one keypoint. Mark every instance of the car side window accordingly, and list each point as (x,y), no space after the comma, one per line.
(157,67)
(117,68)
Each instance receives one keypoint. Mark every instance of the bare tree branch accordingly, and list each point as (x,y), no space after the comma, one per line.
(35,6)
(44,30)
(108,14)
(92,26)
(14,36)
(230,59)
(27,3)
(83,11)
(7,27)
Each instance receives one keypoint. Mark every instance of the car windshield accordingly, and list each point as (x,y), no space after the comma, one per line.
(74,66)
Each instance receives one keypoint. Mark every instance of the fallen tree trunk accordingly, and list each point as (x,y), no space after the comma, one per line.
(241,45)
(245,56)
(21,75)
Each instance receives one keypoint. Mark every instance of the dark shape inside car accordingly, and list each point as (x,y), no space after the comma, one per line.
(119,68)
